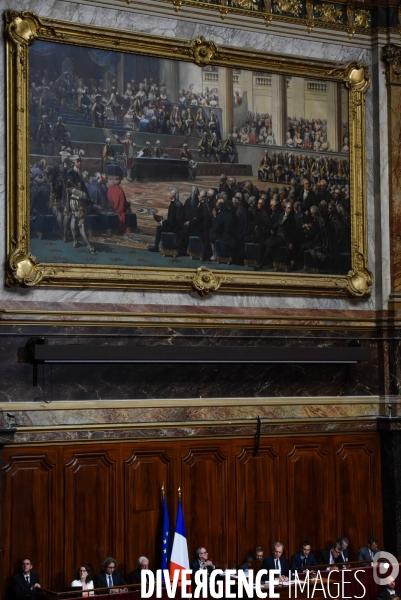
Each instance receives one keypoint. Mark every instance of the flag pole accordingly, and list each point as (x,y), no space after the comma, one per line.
(179,493)
(162,488)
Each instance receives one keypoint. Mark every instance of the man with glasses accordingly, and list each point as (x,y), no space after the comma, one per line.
(330,556)
(201,561)
(24,583)
(109,577)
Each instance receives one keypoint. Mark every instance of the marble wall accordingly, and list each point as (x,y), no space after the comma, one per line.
(141,381)
(299,45)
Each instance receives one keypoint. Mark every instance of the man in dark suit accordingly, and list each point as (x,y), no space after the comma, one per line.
(368,552)
(201,561)
(344,541)
(135,575)
(276,561)
(23,584)
(257,556)
(300,561)
(389,591)
(330,556)
(108,577)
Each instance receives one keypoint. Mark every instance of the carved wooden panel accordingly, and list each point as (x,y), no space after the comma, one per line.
(29,518)
(90,511)
(257,479)
(310,494)
(145,472)
(64,505)
(358,505)
(204,500)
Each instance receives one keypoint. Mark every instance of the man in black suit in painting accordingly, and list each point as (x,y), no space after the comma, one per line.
(109,577)
(24,583)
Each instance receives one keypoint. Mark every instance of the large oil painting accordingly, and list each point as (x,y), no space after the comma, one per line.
(150,162)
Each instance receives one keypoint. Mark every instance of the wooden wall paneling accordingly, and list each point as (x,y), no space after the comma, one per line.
(257,482)
(66,504)
(145,471)
(90,508)
(204,500)
(310,494)
(29,512)
(357,477)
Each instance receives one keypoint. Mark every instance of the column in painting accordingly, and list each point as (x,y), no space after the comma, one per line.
(297,88)
(247,86)
(120,74)
(226,100)
(169,76)
(334,124)
(279,108)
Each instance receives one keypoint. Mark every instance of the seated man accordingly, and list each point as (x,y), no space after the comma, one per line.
(109,577)
(257,555)
(300,561)
(24,582)
(135,575)
(368,552)
(330,556)
(344,541)
(276,561)
(284,234)
(201,561)
(389,591)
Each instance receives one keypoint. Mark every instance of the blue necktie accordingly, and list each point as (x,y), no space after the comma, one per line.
(110,584)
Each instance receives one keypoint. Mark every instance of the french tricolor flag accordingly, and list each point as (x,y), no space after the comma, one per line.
(179,555)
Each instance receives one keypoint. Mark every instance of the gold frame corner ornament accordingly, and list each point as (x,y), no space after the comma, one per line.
(23,28)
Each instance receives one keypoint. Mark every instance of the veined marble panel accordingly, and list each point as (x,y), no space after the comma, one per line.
(188,418)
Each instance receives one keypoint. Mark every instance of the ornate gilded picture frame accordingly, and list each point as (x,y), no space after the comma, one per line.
(160,163)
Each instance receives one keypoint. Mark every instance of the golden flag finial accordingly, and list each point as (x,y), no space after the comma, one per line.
(163,491)
(179,493)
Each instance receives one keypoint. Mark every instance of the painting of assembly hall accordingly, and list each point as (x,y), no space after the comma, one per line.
(139,161)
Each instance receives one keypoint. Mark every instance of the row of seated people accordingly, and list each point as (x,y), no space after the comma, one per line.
(284,166)
(144,108)
(308,134)
(49,89)
(304,133)
(26,581)
(334,557)
(238,223)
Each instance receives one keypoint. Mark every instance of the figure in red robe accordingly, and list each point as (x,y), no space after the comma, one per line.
(116,196)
